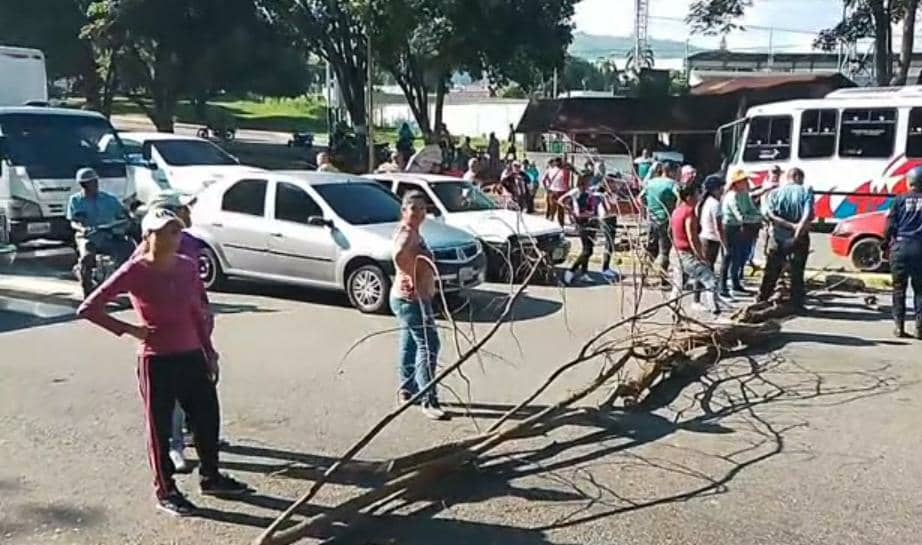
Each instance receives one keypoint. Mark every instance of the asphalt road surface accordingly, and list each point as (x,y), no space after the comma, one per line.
(812,439)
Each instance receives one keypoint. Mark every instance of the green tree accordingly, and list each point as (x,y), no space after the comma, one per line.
(157,44)
(501,40)
(54,27)
(334,30)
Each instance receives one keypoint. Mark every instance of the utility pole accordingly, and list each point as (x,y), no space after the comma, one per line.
(771,48)
(555,83)
(369,101)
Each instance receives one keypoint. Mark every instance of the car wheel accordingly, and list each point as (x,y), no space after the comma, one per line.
(867,255)
(368,289)
(209,269)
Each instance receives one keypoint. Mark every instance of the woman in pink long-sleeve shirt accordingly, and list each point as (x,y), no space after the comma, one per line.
(177,359)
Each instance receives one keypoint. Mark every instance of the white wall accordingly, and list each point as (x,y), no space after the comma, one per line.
(476,119)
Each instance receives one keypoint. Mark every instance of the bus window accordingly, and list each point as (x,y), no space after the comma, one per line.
(818,129)
(914,138)
(769,139)
(868,133)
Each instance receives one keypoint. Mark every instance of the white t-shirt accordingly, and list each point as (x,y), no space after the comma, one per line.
(710,218)
(555,179)
(469,176)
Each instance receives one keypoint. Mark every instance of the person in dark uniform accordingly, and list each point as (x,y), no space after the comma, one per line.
(904,240)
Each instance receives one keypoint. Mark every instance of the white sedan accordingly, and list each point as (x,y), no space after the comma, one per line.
(187,164)
(508,236)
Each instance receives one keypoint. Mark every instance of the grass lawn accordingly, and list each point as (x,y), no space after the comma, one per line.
(269,114)
(282,115)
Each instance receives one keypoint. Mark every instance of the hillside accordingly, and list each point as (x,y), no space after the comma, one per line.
(590,46)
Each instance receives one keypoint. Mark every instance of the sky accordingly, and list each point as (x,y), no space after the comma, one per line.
(796,22)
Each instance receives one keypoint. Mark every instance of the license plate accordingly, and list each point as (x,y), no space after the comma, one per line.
(38,228)
(466,274)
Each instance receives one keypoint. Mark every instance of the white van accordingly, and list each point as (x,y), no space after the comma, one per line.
(41,150)
(855,146)
(23,79)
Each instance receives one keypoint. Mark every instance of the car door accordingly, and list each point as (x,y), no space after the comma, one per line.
(300,250)
(241,226)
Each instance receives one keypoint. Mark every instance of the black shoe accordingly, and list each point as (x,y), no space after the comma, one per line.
(222,485)
(177,505)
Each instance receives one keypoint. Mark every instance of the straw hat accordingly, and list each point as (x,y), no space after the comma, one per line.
(736,177)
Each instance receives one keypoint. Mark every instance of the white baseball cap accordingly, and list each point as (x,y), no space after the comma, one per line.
(85,175)
(158,218)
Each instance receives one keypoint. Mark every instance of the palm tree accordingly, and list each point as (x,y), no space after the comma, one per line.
(646,61)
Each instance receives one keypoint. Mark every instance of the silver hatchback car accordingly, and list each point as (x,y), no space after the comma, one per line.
(331,231)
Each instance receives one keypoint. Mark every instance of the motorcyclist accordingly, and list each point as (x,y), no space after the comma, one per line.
(87,211)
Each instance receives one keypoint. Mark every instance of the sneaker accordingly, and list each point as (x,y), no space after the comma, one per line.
(177,505)
(222,485)
(568,277)
(741,292)
(432,411)
(180,465)
(726,294)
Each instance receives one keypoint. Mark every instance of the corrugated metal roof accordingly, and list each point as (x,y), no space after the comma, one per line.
(725,86)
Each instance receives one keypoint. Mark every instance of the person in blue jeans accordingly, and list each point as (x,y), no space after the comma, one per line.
(411,300)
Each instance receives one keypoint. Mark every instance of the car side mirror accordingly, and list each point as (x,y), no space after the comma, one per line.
(318,221)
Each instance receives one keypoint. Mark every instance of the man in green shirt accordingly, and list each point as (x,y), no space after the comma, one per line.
(660,197)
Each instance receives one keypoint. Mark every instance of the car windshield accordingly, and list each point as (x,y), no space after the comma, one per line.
(187,153)
(462,196)
(55,146)
(363,203)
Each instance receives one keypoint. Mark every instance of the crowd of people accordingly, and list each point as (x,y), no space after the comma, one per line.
(718,218)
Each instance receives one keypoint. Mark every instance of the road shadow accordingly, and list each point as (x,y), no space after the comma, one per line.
(743,398)
(855,314)
(296,465)
(487,306)
(18,520)
(286,292)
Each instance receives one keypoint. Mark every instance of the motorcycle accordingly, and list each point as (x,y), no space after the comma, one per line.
(225,134)
(124,231)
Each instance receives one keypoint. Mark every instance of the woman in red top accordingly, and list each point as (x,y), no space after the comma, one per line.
(177,359)
(692,265)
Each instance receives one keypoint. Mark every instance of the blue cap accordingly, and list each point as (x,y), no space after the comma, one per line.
(713,182)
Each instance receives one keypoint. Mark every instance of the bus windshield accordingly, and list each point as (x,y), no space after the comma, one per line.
(55,146)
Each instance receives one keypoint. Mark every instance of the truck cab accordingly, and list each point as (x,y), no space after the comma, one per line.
(41,150)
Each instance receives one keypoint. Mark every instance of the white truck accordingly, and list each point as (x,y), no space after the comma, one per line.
(23,79)
(42,148)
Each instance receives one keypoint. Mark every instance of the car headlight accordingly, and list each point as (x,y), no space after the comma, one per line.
(479,246)
(841,230)
(21,208)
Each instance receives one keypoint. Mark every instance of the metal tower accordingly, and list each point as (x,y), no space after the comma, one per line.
(641,26)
